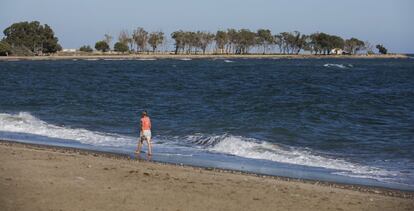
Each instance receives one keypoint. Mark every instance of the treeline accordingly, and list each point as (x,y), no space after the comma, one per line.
(243,41)
(138,41)
(234,41)
(29,38)
(33,38)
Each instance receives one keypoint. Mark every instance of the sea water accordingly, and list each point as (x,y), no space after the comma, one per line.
(342,120)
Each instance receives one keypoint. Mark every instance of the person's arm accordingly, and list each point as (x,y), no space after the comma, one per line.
(149,121)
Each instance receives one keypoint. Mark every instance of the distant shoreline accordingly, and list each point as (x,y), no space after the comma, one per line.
(198,56)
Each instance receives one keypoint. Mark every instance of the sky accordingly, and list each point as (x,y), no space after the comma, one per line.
(80,22)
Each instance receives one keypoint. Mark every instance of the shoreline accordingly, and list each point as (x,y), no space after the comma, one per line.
(119,156)
(34,177)
(196,56)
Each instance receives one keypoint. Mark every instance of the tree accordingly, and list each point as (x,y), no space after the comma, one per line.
(322,43)
(155,39)
(49,41)
(126,39)
(5,48)
(245,39)
(264,38)
(179,38)
(191,41)
(335,42)
(369,47)
(102,46)
(33,36)
(285,41)
(121,47)
(278,41)
(86,48)
(221,39)
(382,49)
(204,39)
(297,41)
(108,39)
(140,37)
(232,39)
(354,45)
(123,37)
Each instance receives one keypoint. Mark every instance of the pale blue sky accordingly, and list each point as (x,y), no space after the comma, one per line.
(79,22)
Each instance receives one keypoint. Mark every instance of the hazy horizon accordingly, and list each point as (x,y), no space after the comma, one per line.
(79,22)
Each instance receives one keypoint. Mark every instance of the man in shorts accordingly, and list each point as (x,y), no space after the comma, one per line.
(145,133)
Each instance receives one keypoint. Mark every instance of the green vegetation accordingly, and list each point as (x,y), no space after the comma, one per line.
(121,47)
(242,41)
(382,49)
(155,39)
(140,36)
(221,40)
(354,45)
(5,48)
(102,46)
(86,48)
(192,42)
(31,38)
(264,38)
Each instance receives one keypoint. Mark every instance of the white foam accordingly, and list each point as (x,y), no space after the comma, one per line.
(228,61)
(341,66)
(251,148)
(185,59)
(24,122)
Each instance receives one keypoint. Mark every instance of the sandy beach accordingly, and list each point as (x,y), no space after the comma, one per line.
(47,178)
(109,56)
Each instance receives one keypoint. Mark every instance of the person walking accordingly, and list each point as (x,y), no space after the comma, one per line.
(145,133)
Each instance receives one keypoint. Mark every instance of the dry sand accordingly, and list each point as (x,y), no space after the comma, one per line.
(44,178)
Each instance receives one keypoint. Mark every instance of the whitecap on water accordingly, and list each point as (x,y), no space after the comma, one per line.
(341,66)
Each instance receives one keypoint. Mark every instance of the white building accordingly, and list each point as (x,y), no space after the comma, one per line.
(337,51)
(69,50)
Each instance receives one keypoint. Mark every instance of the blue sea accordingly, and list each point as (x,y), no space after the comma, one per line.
(341,120)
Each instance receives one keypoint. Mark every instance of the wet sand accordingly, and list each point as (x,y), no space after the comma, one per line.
(35,177)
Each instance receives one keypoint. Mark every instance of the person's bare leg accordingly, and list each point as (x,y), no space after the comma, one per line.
(139,145)
(149,146)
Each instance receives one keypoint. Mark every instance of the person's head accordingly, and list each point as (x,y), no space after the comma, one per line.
(144,114)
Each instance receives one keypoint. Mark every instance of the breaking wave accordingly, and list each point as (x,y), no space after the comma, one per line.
(25,123)
(256,149)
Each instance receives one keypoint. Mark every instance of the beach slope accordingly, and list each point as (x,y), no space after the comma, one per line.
(41,178)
